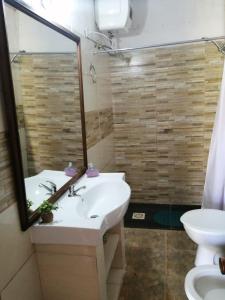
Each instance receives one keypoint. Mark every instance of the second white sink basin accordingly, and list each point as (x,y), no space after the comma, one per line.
(108,199)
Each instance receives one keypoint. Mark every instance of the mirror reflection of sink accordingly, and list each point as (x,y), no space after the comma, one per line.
(37,194)
(107,199)
(83,220)
(34,193)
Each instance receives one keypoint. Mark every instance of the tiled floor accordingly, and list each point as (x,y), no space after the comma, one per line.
(157,261)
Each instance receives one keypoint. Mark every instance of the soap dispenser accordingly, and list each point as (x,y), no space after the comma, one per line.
(92,171)
(70,170)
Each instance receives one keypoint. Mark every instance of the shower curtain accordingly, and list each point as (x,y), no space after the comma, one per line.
(214,189)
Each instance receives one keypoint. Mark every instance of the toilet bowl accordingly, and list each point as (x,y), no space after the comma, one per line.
(206,227)
(205,283)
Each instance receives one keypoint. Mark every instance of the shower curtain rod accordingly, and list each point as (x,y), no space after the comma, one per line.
(30,53)
(203,39)
(23,52)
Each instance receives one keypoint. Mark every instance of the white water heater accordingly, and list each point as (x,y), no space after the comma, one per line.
(113,15)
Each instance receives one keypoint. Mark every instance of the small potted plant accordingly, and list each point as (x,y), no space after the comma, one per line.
(45,209)
(29,205)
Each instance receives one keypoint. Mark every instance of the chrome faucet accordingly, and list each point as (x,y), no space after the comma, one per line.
(53,186)
(73,192)
(51,190)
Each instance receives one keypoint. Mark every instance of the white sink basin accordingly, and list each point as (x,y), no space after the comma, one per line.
(205,283)
(107,200)
(83,220)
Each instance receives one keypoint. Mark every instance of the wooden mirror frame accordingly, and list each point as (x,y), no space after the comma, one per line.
(6,86)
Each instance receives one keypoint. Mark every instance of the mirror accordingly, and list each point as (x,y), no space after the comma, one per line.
(47,84)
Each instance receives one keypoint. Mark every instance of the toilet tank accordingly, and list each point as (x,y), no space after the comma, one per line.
(113,15)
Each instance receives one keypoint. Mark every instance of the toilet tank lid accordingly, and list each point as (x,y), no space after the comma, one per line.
(210,220)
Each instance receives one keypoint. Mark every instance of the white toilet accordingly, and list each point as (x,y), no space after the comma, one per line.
(206,227)
(205,283)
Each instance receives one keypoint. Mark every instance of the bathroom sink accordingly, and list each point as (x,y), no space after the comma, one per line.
(37,194)
(107,199)
(83,219)
(205,283)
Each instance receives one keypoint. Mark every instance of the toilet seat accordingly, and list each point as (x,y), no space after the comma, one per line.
(206,227)
(208,220)
(205,283)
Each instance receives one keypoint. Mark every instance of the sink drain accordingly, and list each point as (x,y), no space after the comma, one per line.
(94,216)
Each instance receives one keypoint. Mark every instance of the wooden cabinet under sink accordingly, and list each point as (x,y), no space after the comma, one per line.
(81,272)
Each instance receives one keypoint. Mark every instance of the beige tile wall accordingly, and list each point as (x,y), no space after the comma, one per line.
(98,109)
(51,105)
(99,124)
(164,102)
(20,116)
(7,196)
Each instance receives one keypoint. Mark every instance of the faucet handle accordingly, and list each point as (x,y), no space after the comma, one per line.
(53,185)
(71,190)
(222,265)
(46,187)
(80,188)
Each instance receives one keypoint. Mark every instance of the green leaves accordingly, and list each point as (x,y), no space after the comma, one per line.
(29,203)
(47,207)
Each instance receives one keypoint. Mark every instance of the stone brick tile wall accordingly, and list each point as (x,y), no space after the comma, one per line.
(164,103)
(51,107)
